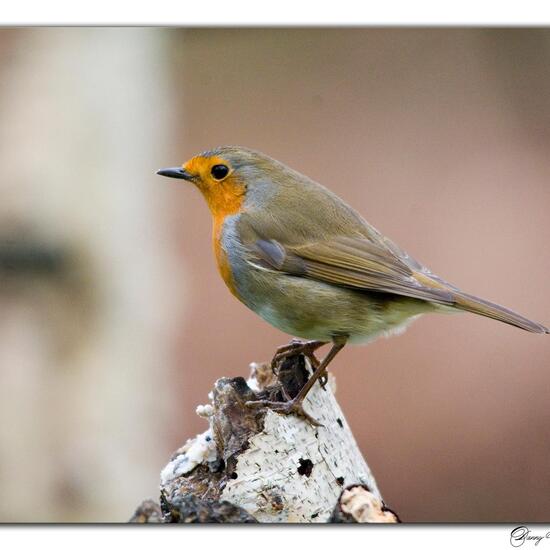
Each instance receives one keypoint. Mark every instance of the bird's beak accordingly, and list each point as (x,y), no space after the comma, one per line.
(176,172)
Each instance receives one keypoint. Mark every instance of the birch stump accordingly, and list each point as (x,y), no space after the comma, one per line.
(256,465)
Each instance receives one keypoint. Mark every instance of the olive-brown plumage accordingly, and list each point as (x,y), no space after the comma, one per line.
(307,263)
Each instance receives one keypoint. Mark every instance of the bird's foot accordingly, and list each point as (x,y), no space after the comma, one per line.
(297,347)
(293,406)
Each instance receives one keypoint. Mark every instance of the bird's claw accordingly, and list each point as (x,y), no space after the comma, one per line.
(297,347)
(285,407)
(292,406)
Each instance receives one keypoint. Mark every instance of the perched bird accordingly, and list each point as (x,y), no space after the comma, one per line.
(306,262)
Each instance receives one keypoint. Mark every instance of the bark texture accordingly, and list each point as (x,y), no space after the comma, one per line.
(255,465)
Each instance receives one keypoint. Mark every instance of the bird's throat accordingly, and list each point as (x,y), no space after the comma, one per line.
(226,201)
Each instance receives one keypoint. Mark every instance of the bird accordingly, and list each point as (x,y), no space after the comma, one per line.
(307,263)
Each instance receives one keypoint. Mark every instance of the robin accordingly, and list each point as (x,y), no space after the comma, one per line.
(306,262)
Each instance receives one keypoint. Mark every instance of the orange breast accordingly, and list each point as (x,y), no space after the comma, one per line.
(221,256)
(225,199)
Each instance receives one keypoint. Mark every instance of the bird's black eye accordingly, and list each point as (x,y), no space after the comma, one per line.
(219,171)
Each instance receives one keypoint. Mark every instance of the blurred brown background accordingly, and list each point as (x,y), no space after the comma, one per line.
(113,320)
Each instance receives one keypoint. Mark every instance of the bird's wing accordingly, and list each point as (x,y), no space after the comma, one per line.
(352,262)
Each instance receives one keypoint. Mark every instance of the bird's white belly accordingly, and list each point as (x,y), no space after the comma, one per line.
(387,329)
(393,322)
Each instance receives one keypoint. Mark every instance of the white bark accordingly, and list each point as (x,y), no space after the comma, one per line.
(285,469)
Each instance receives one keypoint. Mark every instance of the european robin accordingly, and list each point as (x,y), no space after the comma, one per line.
(306,262)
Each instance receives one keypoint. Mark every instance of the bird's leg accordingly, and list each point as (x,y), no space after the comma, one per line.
(297,347)
(294,405)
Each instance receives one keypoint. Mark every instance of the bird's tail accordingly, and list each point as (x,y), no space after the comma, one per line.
(474,304)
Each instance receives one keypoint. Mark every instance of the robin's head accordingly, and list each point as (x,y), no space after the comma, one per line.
(226,174)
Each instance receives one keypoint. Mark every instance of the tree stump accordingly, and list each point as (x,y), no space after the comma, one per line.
(256,465)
